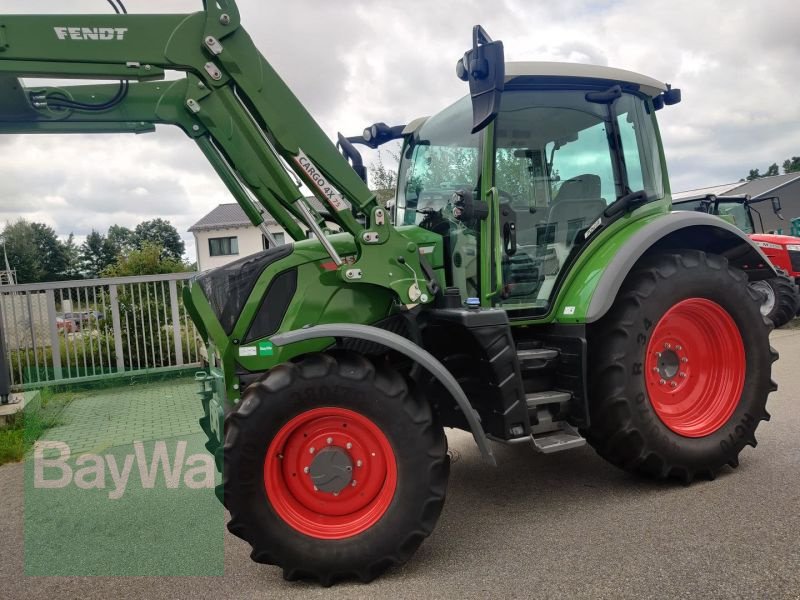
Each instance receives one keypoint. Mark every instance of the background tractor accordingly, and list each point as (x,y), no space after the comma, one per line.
(529,284)
(780,294)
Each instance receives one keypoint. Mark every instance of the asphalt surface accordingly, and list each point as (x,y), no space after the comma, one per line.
(562,526)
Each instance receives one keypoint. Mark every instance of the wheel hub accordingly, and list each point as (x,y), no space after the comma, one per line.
(668,364)
(767,296)
(331,470)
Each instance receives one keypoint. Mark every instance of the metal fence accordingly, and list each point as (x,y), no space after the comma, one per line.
(76,329)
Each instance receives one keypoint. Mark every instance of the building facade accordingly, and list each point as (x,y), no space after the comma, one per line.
(226,234)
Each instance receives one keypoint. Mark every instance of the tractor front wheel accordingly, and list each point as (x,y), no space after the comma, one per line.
(333,469)
(780,298)
(680,368)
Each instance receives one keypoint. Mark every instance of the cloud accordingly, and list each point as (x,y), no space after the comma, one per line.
(356,62)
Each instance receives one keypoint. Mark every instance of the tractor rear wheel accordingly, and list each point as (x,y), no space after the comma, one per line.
(333,469)
(780,298)
(680,368)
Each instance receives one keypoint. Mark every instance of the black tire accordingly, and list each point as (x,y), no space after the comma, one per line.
(348,381)
(780,298)
(624,427)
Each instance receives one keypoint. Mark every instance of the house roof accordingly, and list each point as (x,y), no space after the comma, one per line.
(766,185)
(757,187)
(717,190)
(232,215)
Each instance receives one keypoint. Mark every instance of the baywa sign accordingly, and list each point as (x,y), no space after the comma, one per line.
(95,471)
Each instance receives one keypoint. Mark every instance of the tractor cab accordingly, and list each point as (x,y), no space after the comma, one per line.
(572,149)
(737,210)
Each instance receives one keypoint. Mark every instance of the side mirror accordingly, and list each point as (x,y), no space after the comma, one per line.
(672,96)
(776,206)
(484,68)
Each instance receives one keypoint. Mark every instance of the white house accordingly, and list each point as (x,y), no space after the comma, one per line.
(226,234)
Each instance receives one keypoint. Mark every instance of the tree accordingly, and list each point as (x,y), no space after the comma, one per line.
(792,165)
(384,179)
(35,252)
(72,253)
(96,254)
(772,170)
(148,260)
(120,240)
(754,174)
(162,234)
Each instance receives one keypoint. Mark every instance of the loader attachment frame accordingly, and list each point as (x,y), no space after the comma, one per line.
(249,125)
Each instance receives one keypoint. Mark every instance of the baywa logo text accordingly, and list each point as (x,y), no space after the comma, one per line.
(90,33)
(93,471)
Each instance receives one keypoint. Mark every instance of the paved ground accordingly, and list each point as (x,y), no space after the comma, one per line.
(567,525)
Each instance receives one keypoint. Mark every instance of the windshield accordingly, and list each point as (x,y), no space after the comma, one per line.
(443,158)
(560,160)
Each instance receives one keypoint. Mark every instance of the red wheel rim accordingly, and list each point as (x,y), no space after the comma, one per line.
(695,367)
(289,464)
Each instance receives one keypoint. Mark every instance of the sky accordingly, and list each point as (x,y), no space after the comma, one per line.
(355,62)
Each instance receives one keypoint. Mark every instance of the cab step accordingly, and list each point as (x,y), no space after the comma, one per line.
(537,399)
(563,438)
(536,358)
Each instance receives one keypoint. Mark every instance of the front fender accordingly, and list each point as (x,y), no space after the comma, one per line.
(409,349)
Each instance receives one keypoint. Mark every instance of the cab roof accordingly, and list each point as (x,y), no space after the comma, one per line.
(648,85)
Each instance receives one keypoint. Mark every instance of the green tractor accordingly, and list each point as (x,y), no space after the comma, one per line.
(529,284)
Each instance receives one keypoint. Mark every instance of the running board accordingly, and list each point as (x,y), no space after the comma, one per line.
(564,438)
(551,397)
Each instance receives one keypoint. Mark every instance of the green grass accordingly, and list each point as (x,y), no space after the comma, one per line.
(24,428)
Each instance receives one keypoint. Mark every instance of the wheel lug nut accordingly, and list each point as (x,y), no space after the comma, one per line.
(280,456)
(655,369)
(673,384)
(684,360)
(311,450)
(335,493)
(359,463)
(682,375)
(658,354)
(667,346)
(329,440)
(661,382)
(316,489)
(354,483)
(349,445)
(306,469)
(679,348)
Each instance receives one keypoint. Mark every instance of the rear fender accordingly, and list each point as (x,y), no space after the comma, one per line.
(678,230)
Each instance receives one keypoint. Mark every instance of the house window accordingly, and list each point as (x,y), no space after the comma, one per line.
(279,238)
(225,246)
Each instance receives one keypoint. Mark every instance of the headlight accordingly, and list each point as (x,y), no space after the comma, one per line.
(769,245)
(793,247)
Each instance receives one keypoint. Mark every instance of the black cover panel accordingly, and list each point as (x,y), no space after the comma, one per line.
(273,306)
(228,287)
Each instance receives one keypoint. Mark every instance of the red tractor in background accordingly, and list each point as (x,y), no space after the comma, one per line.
(781,295)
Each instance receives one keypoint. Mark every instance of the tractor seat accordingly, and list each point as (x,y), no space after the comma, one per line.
(576,205)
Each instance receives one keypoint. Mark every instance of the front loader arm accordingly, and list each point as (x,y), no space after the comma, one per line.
(246,121)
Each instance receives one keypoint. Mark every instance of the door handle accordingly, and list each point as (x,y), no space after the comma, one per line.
(510,238)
